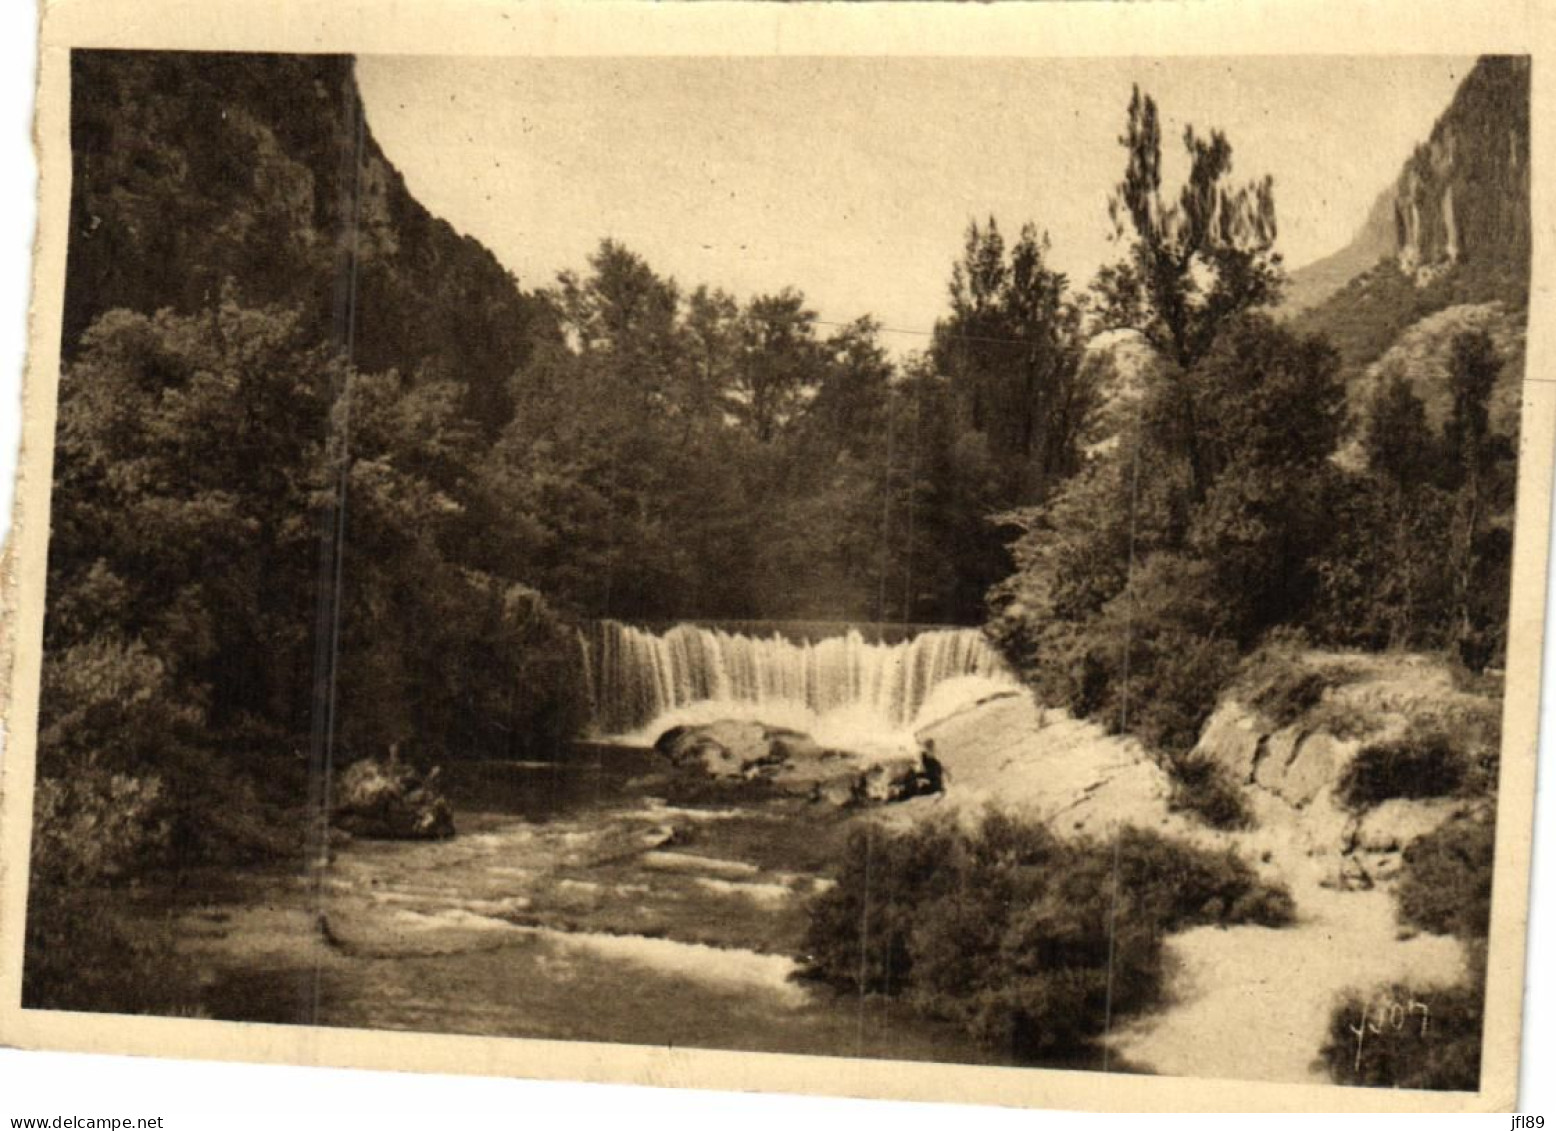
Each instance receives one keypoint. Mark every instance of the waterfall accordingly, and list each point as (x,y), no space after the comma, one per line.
(842,689)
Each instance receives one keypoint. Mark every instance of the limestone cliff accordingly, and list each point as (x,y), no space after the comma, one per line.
(1464,194)
(1459,206)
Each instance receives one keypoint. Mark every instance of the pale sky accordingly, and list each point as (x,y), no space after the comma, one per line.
(854,179)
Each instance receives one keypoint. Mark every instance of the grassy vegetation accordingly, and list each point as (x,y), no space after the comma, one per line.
(1203,787)
(1026,940)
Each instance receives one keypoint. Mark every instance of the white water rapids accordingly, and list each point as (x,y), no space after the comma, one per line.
(843,691)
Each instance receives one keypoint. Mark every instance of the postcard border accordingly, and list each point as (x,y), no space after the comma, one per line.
(606,28)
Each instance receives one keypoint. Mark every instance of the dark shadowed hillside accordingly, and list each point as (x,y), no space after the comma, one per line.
(197,171)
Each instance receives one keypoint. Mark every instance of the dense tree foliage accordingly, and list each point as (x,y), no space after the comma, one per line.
(1423,556)
(195,171)
(1011,357)
(1239,496)
(199,459)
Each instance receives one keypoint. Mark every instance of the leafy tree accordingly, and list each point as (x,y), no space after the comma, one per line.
(1193,264)
(1397,441)
(1271,408)
(1423,558)
(199,460)
(1473,453)
(1128,590)
(190,449)
(779,364)
(1012,350)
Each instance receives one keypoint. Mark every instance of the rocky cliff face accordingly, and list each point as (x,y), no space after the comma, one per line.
(1461,201)
(1464,194)
(257,177)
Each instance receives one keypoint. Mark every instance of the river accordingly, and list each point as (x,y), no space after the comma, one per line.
(574,904)
(585,899)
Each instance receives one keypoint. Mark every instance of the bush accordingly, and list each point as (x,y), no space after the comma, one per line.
(1176,690)
(1203,787)
(859,930)
(1159,656)
(96,825)
(1445,885)
(88,830)
(1025,940)
(1424,763)
(1408,1037)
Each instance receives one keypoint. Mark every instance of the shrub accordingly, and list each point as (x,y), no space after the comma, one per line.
(1424,763)
(1160,654)
(96,825)
(1408,1037)
(1176,688)
(88,830)
(1024,939)
(1203,787)
(1182,886)
(1445,885)
(858,933)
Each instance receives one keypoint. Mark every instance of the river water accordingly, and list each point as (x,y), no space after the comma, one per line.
(599,898)
(576,903)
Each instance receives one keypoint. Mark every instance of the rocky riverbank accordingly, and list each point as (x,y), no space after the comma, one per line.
(1243,1001)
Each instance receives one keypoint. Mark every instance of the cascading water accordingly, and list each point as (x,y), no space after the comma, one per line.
(842,690)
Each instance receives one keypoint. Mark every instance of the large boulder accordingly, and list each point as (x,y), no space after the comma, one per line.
(794,764)
(391,800)
(734,748)
(1319,759)
(1393,824)
(1232,739)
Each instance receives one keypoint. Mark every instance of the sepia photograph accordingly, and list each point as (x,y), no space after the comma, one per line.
(997,561)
